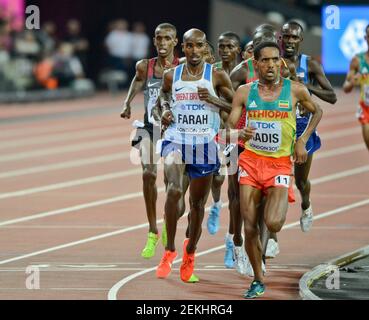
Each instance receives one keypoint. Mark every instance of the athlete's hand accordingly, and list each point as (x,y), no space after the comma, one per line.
(204,94)
(300,156)
(167,118)
(356,79)
(246,134)
(126,112)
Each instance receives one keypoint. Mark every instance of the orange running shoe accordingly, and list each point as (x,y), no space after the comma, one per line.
(165,265)
(188,263)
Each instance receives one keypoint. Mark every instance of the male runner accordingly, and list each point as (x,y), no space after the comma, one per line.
(242,74)
(149,75)
(191,112)
(248,50)
(359,75)
(265,165)
(229,51)
(309,72)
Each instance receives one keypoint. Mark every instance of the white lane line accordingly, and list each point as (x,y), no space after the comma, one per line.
(77,208)
(117,156)
(61,137)
(65,165)
(112,295)
(71,183)
(134,195)
(114,233)
(66,149)
(119,174)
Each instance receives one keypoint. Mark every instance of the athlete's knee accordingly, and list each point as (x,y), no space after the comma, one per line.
(174,192)
(149,176)
(274,225)
(218,181)
(251,231)
(198,205)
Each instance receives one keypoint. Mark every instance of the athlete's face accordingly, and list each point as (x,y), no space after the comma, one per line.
(208,55)
(291,39)
(248,52)
(194,48)
(165,41)
(228,49)
(269,64)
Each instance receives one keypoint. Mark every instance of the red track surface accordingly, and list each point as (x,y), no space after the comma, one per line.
(95,190)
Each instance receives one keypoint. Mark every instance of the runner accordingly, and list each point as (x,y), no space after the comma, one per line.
(265,165)
(242,74)
(229,50)
(248,50)
(149,77)
(191,112)
(309,72)
(358,75)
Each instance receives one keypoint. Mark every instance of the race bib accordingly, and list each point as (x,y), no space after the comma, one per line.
(282,181)
(153,97)
(268,136)
(194,119)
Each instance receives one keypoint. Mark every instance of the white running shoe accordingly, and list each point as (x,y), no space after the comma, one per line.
(250,270)
(272,249)
(306,220)
(240,260)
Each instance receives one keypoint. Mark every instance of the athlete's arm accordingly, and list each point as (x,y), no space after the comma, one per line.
(239,101)
(165,97)
(353,76)
(137,84)
(325,92)
(239,75)
(302,96)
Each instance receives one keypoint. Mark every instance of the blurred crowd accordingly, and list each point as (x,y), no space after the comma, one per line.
(42,59)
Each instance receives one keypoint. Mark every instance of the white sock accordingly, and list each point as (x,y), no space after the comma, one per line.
(218,204)
(229,236)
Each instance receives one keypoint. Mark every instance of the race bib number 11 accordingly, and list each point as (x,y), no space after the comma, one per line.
(283,181)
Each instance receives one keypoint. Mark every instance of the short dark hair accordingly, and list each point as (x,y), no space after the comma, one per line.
(295,23)
(261,46)
(367,28)
(231,35)
(167,25)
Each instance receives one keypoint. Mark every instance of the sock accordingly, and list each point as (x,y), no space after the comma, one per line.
(229,237)
(218,204)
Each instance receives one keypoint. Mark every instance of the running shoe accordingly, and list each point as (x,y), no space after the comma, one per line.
(257,289)
(188,263)
(165,266)
(306,220)
(240,260)
(250,270)
(272,249)
(164,235)
(152,241)
(228,255)
(213,219)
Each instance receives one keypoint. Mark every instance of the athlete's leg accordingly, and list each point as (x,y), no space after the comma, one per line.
(174,173)
(235,216)
(216,187)
(250,197)
(302,181)
(149,173)
(199,193)
(365,129)
(276,207)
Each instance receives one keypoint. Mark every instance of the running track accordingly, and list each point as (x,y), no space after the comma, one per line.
(71,204)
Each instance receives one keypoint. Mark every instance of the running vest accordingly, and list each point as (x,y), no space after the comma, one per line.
(152,90)
(274,121)
(364,81)
(195,121)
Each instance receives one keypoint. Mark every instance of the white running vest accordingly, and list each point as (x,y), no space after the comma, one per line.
(195,121)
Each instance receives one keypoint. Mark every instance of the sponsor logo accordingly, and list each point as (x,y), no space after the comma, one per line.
(253,105)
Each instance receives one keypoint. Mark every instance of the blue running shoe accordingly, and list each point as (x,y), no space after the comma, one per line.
(213,219)
(257,289)
(228,256)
